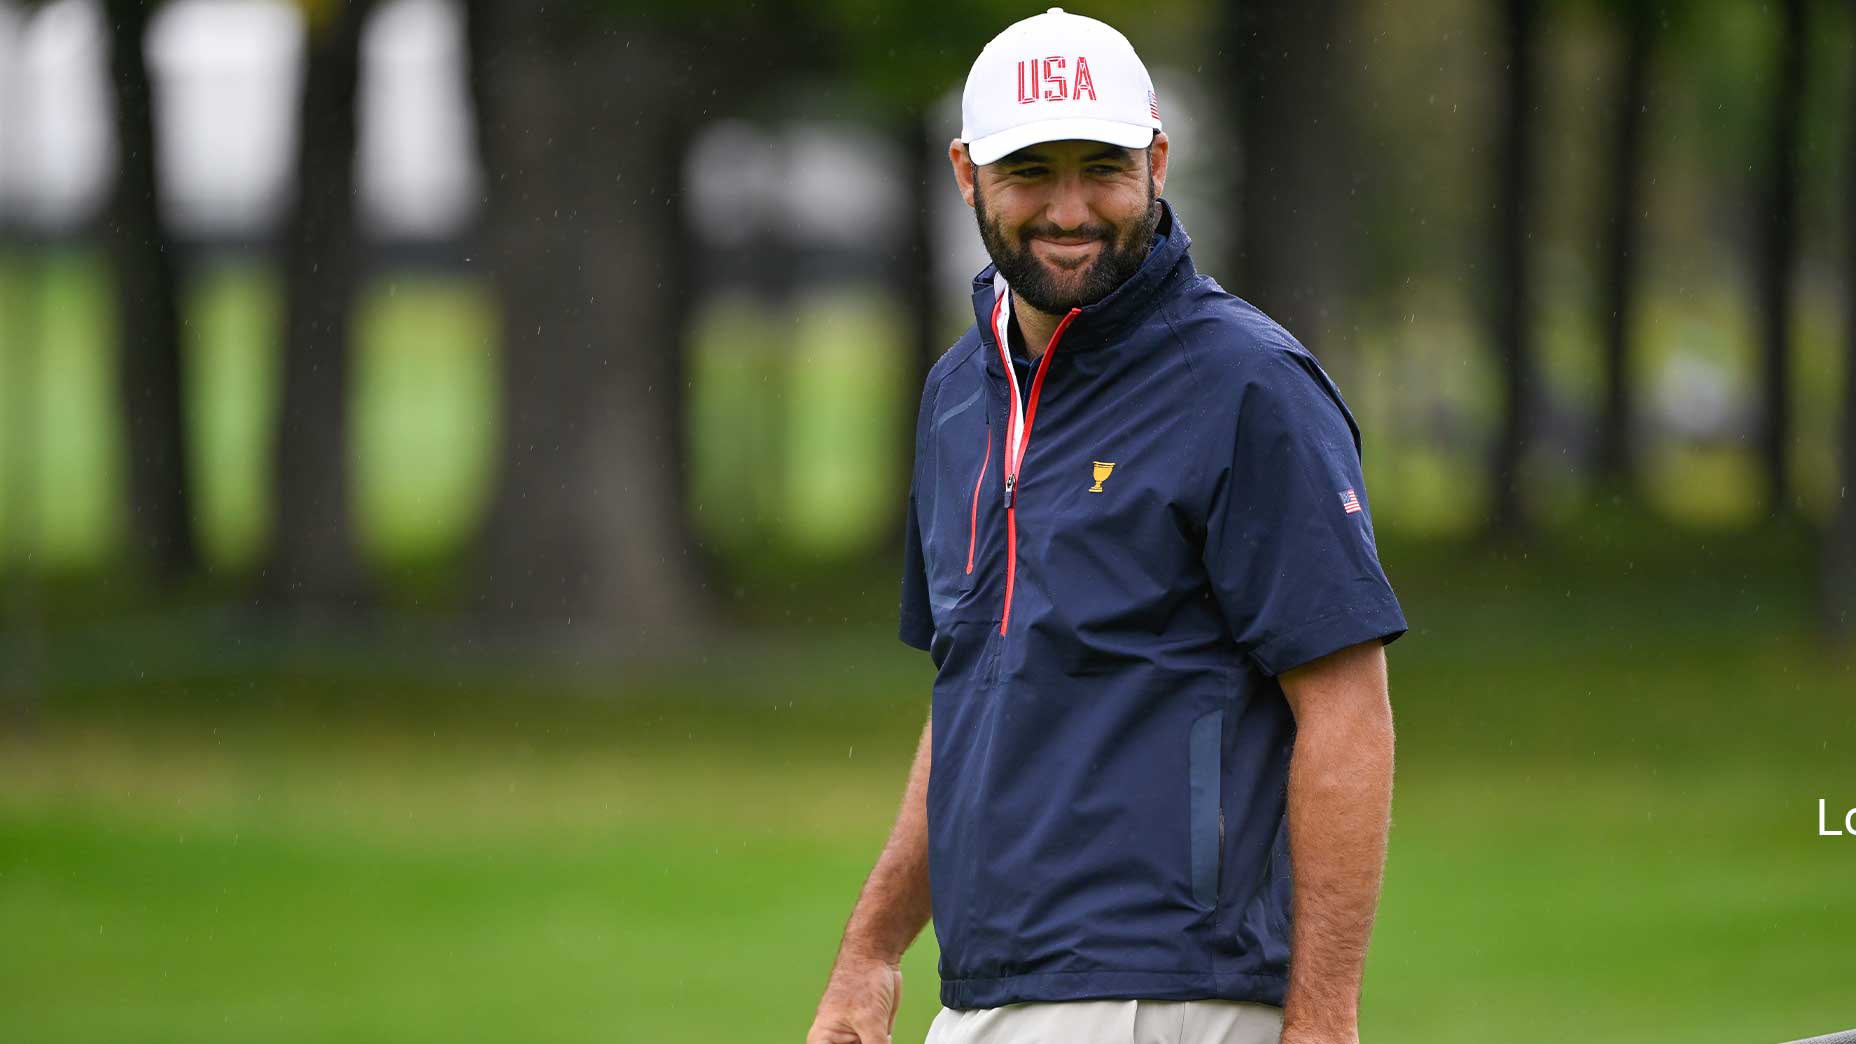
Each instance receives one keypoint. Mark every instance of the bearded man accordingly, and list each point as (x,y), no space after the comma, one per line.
(1152,799)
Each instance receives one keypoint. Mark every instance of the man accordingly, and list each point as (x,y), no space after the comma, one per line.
(1140,556)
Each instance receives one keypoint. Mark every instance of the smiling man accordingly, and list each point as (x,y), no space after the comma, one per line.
(1063,257)
(1151,803)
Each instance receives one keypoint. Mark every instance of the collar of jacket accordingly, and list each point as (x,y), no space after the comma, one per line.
(1102,324)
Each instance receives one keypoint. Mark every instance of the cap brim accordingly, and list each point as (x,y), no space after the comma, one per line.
(994,147)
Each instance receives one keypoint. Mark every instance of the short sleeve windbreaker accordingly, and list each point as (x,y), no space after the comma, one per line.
(1110,744)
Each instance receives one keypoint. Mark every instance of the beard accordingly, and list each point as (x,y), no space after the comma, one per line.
(1055,291)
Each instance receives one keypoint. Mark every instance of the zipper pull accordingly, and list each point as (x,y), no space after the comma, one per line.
(1011,485)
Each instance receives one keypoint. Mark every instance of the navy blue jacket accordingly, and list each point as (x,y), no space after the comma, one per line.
(1106,807)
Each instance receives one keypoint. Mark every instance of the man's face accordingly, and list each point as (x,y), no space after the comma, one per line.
(1067,222)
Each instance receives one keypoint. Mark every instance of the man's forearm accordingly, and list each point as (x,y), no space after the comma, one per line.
(894,903)
(1340,796)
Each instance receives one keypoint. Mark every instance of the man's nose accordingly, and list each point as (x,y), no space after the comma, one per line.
(1069,205)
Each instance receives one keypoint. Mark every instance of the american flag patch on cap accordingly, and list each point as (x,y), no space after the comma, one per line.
(1349,501)
(1153,104)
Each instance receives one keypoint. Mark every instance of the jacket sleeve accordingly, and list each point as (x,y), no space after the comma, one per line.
(917,624)
(917,615)
(1289,537)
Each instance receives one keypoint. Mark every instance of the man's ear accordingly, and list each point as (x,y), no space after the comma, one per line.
(964,170)
(1156,161)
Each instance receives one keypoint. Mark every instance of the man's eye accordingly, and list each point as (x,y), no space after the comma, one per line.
(1029,172)
(1103,168)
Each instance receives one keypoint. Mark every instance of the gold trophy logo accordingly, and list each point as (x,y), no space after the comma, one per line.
(1103,469)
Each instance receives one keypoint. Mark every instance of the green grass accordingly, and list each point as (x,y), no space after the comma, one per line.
(60,438)
(425,416)
(232,394)
(1611,752)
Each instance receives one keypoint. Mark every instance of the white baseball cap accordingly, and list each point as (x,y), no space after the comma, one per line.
(1053,77)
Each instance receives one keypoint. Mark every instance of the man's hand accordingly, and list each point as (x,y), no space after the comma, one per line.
(859,1006)
(860,1003)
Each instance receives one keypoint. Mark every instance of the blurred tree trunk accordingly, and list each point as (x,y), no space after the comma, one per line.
(1513,282)
(585,129)
(147,316)
(1617,465)
(479,48)
(1291,91)
(914,267)
(1778,241)
(917,295)
(313,554)
(681,259)
(1839,573)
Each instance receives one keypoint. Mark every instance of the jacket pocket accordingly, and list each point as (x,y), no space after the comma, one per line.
(973,507)
(1204,805)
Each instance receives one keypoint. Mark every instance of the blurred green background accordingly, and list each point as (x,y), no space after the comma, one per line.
(456,790)
(1611,745)
(1604,827)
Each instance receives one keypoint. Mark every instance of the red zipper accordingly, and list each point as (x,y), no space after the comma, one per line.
(973,520)
(1015,454)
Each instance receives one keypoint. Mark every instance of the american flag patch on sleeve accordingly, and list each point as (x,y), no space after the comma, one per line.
(1349,501)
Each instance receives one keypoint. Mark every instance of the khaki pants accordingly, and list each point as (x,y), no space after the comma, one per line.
(1111,1022)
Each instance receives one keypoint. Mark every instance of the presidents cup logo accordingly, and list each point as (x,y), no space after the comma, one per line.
(1104,468)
